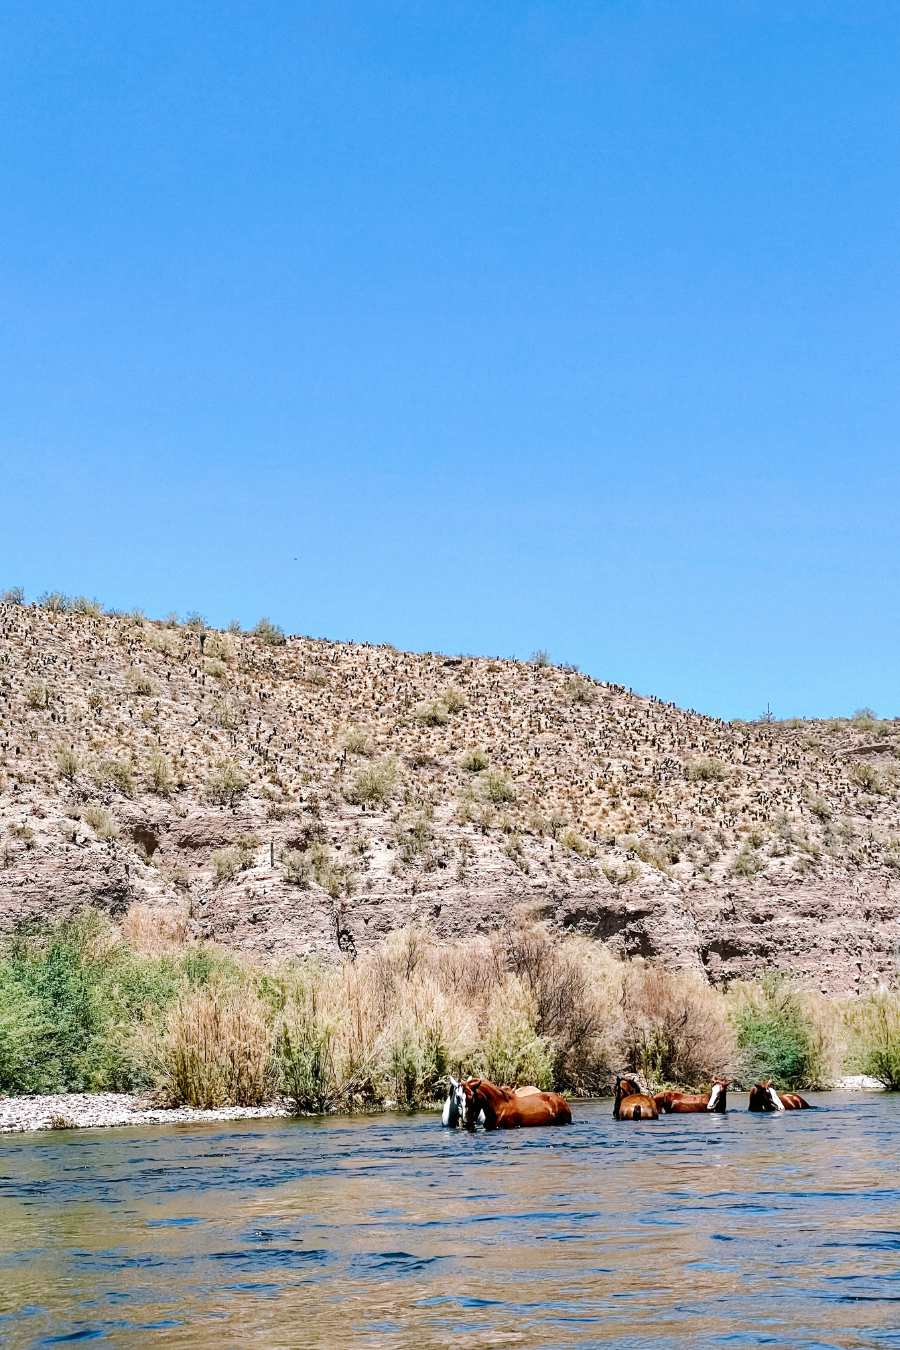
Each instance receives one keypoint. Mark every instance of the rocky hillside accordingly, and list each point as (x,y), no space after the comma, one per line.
(308,796)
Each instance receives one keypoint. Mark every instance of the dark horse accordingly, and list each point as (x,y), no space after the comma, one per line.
(506,1109)
(631,1103)
(680,1103)
(763,1097)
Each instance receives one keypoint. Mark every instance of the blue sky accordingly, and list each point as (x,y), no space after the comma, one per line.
(466,327)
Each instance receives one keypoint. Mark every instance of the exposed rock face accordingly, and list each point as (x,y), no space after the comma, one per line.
(312,798)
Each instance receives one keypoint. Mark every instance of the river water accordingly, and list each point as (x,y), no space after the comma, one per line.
(388,1231)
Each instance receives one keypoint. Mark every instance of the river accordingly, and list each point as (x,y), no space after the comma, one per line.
(388,1231)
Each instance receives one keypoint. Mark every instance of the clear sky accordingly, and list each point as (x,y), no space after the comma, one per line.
(477,327)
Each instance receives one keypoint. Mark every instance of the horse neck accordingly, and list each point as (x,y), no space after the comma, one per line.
(490,1098)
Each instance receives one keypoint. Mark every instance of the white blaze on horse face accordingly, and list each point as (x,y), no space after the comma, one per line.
(775,1099)
(714,1097)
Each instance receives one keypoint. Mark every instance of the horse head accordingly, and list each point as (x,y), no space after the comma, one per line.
(454,1112)
(763,1097)
(717,1094)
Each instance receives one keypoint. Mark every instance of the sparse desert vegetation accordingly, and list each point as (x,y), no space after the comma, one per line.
(451,791)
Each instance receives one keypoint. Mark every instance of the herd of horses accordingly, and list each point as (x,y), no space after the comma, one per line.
(476,1101)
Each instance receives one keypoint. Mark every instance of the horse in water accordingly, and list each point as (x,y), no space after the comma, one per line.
(505,1108)
(454,1112)
(631,1103)
(763,1097)
(681,1103)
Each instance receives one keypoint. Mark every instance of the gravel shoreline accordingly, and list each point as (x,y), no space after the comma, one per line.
(96,1110)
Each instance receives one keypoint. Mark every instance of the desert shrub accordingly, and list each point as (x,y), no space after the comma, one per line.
(226,783)
(269,633)
(579,690)
(215,668)
(140,683)
(454,699)
(37,695)
(356,741)
(238,857)
(571,839)
(80,604)
(160,776)
(215,1048)
(220,647)
(162,640)
(621,876)
(117,774)
(514,1051)
(474,761)
(540,657)
(674,1027)
(777,1037)
(15,595)
(497,788)
(68,762)
(297,867)
(747,862)
(414,837)
(226,863)
(706,769)
(432,714)
(55,601)
(100,821)
(868,778)
(373,785)
(820,808)
(874,1025)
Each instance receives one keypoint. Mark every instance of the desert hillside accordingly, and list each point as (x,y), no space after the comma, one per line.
(304,795)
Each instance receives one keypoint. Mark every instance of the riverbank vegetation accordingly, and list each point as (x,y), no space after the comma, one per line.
(84,1007)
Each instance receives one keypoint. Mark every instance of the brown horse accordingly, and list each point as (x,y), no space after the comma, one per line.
(681,1103)
(631,1103)
(507,1109)
(763,1097)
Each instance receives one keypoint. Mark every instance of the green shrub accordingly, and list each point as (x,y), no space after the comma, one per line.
(875,1029)
(305,1062)
(776,1037)
(474,761)
(78,992)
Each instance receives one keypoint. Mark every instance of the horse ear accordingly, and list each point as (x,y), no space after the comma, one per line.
(453,1082)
